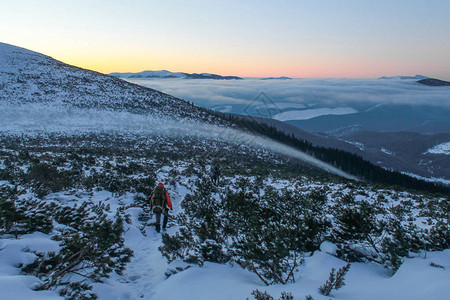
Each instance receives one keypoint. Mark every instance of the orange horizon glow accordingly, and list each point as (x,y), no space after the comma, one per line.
(320,39)
(327,69)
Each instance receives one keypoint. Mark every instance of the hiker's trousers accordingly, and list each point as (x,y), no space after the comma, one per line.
(158,219)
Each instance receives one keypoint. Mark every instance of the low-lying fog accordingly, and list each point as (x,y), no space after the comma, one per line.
(307,92)
(38,118)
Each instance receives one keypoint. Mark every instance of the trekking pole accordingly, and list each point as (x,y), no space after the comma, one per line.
(149,218)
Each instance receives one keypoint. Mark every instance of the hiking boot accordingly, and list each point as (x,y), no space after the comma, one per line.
(158,227)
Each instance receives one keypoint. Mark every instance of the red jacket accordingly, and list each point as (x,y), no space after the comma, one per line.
(168,201)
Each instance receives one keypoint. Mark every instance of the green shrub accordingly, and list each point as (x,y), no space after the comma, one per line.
(47,179)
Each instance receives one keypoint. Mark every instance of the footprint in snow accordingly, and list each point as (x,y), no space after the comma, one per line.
(134,277)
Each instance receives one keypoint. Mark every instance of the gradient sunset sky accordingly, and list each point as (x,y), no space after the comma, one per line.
(245,38)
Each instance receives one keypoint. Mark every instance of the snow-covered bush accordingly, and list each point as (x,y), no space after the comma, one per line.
(258,295)
(89,237)
(19,217)
(335,280)
(372,231)
(264,219)
(201,237)
(356,224)
(265,233)
(78,290)
(271,232)
(91,247)
(439,236)
(46,179)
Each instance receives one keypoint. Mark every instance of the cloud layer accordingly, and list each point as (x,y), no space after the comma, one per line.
(357,93)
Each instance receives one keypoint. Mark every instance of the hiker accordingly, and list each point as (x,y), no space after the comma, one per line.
(160,204)
(215,174)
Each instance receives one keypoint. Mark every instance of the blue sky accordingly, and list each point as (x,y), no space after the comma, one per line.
(245,38)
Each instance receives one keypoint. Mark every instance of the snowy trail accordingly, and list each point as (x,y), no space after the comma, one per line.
(144,270)
(145,277)
(422,276)
(147,268)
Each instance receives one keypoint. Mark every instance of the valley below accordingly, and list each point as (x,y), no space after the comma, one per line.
(367,117)
(292,216)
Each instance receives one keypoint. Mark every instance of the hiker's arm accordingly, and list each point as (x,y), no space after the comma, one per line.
(151,202)
(169,202)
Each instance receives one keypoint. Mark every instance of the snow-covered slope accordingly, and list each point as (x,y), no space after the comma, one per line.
(150,276)
(30,77)
(41,95)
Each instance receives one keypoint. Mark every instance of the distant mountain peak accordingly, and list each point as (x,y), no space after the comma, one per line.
(167,74)
(404,77)
(276,78)
(434,82)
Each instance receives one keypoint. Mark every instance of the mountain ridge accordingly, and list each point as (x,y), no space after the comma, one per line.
(404,77)
(276,78)
(434,82)
(164,74)
(42,95)
(31,77)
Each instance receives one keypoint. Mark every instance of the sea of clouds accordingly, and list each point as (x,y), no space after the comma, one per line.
(355,93)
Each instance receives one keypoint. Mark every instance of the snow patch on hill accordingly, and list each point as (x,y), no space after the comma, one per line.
(360,146)
(429,179)
(384,150)
(443,148)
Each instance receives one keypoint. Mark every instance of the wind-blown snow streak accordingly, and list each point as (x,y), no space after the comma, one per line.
(38,118)
(292,152)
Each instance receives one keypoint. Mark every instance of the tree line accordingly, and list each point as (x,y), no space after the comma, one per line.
(348,162)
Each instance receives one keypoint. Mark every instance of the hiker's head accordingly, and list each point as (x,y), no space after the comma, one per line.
(160,184)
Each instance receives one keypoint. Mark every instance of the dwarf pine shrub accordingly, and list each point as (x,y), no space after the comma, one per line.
(335,280)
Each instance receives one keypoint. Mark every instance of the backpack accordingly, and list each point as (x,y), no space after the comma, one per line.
(159,199)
